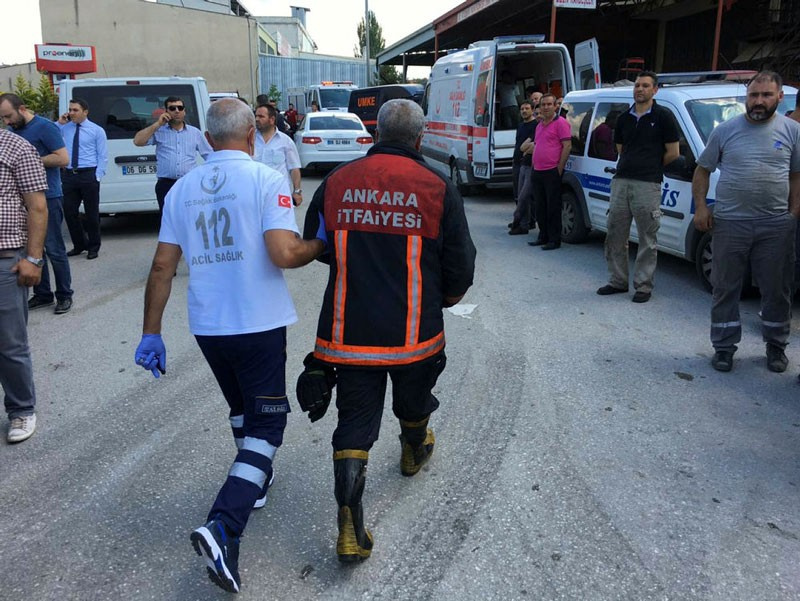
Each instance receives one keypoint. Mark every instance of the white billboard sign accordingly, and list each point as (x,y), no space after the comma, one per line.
(575,3)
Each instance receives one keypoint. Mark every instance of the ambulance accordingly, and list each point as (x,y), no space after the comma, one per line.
(329,96)
(470,123)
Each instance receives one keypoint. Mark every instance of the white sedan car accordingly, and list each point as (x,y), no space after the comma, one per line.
(326,139)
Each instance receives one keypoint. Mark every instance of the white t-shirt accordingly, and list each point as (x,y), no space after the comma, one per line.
(218,213)
(280,153)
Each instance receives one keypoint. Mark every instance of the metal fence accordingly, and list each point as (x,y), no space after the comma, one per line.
(289,72)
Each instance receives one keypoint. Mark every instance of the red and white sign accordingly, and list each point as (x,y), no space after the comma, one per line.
(284,201)
(575,3)
(65,58)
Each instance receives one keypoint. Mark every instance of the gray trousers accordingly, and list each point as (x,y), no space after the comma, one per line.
(523,214)
(640,201)
(767,245)
(16,370)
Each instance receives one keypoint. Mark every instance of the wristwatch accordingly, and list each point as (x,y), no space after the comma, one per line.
(297,191)
(37,262)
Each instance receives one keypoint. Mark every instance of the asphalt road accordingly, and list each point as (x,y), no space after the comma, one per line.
(585,449)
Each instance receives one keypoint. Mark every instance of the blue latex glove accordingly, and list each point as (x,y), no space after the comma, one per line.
(152,354)
(322,233)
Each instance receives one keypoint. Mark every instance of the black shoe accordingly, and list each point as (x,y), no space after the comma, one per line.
(722,360)
(776,359)
(609,289)
(551,246)
(92,254)
(641,297)
(74,252)
(35,302)
(517,231)
(537,243)
(510,225)
(63,306)
(221,550)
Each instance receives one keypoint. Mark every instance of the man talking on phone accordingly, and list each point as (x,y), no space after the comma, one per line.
(177,145)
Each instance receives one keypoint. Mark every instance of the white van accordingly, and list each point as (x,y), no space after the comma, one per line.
(329,96)
(468,136)
(592,114)
(122,106)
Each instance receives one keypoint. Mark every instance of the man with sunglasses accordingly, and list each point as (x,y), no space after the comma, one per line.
(177,145)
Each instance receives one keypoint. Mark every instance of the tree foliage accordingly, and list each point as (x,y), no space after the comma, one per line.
(274,93)
(41,100)
(377,44)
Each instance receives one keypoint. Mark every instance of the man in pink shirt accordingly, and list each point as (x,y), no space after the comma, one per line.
(552,143)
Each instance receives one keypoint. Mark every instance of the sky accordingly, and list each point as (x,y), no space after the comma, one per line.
(331,23)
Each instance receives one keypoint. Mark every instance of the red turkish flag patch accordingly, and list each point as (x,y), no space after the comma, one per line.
(284,201)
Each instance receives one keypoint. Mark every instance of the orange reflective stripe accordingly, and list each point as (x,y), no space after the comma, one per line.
(350,354)
(414,289)
(340,286)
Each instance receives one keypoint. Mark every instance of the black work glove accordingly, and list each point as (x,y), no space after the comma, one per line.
(314,387)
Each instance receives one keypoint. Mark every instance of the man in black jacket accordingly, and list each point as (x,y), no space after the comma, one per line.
(399,251)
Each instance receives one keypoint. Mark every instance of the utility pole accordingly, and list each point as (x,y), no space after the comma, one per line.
(366,40)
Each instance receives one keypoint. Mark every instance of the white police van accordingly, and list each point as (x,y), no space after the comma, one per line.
(122,106)
(586,189)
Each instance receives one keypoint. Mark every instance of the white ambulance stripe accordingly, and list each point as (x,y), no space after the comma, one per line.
(237,421)
(248,472)
(262,447)
(727,324)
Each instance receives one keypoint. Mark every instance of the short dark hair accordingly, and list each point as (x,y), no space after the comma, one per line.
(80,102)
(16,101)
(651,74)
(548,95)
(271,110)
(261,99)
(767,76)
(172,99)
(524,102)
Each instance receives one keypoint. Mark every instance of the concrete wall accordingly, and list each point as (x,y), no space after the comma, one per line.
(9,73)
(138,38)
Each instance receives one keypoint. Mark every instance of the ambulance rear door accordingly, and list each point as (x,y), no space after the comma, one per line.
(482,134)
(587,65)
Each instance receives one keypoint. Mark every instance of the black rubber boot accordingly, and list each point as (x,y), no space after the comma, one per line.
(350,472)
(417,442)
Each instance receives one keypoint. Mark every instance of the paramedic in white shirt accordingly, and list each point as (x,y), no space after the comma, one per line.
(232,220)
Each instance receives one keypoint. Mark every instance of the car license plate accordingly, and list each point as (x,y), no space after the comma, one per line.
(339,142)
(147,169)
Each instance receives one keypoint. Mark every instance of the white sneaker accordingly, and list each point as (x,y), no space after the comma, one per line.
(22,428)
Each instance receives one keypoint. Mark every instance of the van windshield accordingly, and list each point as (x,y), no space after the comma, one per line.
(707,113)
(122,110)
(333,98)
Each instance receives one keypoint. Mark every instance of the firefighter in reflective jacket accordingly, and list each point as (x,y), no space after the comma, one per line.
(399,251)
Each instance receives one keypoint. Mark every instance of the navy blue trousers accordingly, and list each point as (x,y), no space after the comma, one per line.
(251,372)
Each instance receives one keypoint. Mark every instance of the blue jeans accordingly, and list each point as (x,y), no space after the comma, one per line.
(16,371)
(251,372)
(55,250)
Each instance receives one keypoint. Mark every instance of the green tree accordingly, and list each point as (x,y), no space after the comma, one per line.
(377,43)
(41,100)
(274,93)
(47,98)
